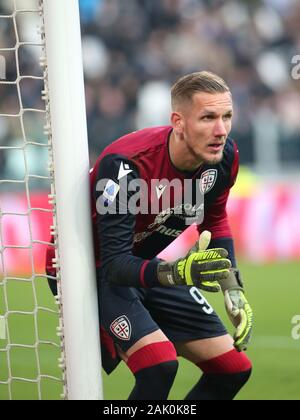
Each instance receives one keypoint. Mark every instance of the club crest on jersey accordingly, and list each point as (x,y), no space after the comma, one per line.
(121,328)
(208,180)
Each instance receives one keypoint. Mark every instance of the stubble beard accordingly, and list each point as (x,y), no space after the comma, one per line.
(214,160)
(204,160)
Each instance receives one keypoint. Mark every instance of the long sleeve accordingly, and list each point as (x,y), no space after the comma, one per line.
(116,225)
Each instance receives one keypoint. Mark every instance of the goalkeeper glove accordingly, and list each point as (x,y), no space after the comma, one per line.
(238,309)
(201,268)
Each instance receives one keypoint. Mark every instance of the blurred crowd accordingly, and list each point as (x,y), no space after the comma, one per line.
(135,49)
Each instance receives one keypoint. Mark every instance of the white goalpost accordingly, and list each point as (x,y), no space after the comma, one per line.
(64,141)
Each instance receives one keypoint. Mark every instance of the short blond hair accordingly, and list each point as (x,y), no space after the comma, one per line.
(206,82)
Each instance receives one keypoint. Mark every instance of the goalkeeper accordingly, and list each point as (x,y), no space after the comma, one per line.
(153,311)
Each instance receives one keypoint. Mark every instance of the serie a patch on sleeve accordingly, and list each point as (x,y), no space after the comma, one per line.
(111,191)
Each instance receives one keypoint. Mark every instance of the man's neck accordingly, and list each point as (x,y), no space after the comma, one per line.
(181,157)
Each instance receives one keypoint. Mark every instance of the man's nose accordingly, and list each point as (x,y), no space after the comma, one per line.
(220,128)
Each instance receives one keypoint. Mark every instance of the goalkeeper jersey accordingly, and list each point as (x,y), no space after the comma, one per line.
(141,203)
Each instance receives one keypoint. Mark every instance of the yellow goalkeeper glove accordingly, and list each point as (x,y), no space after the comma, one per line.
(238,309)
(201,268)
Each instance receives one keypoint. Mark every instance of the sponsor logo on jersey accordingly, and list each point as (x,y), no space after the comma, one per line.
(188,213)
(139,237)
(173,233)
(124,170)
(208,180)
(121,328)
(111,191)
(161,218)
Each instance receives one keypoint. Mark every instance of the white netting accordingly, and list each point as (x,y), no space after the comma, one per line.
(29,346)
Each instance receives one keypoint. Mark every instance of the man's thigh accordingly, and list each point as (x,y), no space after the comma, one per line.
(198,351)
(124,317)
(184,314)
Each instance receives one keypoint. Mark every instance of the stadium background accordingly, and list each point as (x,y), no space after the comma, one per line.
(133,51)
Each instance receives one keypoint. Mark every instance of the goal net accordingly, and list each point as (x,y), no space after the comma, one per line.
(49,348)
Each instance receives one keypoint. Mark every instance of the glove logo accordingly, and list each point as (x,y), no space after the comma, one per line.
(208,180)
(121,328)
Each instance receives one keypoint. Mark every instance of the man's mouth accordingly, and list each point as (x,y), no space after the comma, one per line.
(216,147)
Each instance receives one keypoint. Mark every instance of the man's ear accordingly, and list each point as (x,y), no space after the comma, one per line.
(177,122)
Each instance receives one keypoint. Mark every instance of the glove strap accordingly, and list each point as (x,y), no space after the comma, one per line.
(167,276)
(233,281)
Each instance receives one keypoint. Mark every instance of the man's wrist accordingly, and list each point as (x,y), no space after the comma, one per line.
(148,274)
(167,276)
(233,281)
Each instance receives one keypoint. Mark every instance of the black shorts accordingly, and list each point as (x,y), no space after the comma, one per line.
(182,313)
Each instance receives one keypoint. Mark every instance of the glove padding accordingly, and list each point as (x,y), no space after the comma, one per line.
(241,316)
(201,268)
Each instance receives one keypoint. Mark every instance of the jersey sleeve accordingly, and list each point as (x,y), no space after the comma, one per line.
(116,225)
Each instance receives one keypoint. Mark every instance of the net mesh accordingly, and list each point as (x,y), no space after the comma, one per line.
(29,317)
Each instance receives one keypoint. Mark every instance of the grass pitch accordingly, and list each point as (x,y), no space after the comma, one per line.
(272,290)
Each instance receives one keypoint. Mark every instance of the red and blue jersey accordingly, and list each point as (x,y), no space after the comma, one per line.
(127,244)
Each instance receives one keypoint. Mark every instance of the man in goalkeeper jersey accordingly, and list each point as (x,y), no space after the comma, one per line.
(152,311)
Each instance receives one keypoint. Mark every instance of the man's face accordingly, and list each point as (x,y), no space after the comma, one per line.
(205,124)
